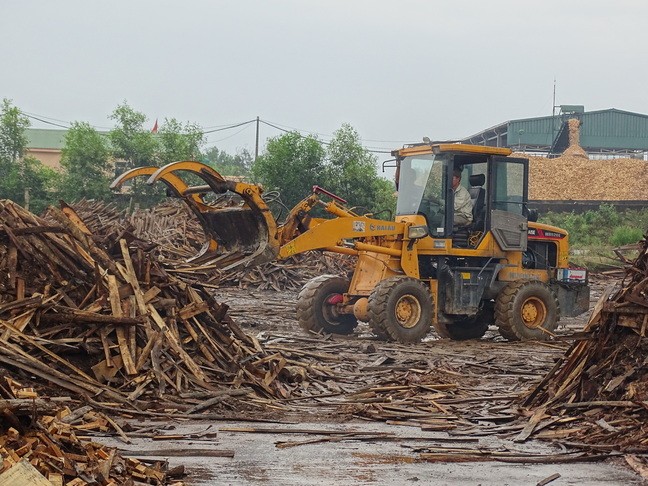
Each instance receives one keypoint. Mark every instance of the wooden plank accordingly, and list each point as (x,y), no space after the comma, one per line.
(639,465)
(115,304)
(193,309)
(23,474)
(177,347)
(131,277)
(145,353)
(537,416)
(177,453)
(103,333)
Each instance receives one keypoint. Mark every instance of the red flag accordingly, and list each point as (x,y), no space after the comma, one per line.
(155,127)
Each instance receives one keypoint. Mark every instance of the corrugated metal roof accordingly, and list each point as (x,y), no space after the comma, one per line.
(610,129)
(45,138)
(614,129)
(534,131)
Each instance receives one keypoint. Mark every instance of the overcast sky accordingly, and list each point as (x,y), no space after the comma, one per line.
(394,70)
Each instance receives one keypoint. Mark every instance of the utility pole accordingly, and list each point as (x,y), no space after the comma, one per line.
(256,150)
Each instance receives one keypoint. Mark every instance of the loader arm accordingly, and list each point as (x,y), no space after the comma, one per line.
(348,235)
(246,233)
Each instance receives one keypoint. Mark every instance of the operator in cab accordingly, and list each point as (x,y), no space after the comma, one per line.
(462,202)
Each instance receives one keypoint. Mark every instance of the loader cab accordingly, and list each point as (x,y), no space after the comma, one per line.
(497,184)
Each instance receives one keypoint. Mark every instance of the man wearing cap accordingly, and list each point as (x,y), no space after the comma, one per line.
(462,201)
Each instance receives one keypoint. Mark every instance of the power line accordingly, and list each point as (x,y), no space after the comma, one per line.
(45,121)
(232,135)
(278,125)
(294,130)
(228,127)
(297,131)
(68,125)
(245,124)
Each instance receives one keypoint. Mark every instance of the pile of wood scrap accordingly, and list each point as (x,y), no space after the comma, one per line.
(174,229)
(178,236)
(597,394)
(289,274)
(108,322)
(39,445)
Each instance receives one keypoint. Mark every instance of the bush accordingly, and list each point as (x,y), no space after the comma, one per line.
(626,235)
(604,227)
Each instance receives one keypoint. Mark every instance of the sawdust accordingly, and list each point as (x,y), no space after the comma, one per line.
(573,176)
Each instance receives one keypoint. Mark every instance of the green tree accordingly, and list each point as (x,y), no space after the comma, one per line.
(87,170)
(291,164)
(227,164)
(22,179)
(41,182)
(351,172)
(133,145)
(13,143)
(13,140)
(130,141)
(179,142)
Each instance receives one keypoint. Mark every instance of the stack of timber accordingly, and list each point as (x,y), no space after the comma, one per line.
(39,445)
(597,394)
(109,324)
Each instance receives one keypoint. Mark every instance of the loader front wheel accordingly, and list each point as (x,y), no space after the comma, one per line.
(317,308)
(526,310)
(402,308)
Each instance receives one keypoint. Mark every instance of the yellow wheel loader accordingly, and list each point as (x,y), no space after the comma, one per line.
(418,271)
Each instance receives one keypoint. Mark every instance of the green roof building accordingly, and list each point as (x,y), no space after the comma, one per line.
(603,133)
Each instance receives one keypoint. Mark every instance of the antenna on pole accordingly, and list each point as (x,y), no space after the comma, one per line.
(553,112)
(256,149)
(553,119)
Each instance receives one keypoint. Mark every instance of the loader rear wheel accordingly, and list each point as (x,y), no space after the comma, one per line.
(526,310)
(402,308)
(317,306)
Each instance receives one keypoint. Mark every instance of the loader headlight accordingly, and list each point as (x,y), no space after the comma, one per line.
(417,232)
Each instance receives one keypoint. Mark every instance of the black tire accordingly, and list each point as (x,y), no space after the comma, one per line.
(315,313)
(469,327)
(378,330)
(526,310)
(507,334)
(402,308)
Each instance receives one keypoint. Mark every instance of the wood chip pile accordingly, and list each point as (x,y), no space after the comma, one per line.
(598,392)
(110,324)
(572,176)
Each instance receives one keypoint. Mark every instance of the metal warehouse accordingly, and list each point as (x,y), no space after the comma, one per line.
(603,133)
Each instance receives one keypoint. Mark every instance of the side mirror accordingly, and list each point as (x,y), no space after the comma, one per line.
(532,215)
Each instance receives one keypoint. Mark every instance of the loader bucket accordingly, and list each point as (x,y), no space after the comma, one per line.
(238,225)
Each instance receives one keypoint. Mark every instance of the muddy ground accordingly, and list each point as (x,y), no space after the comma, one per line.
(354,435)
